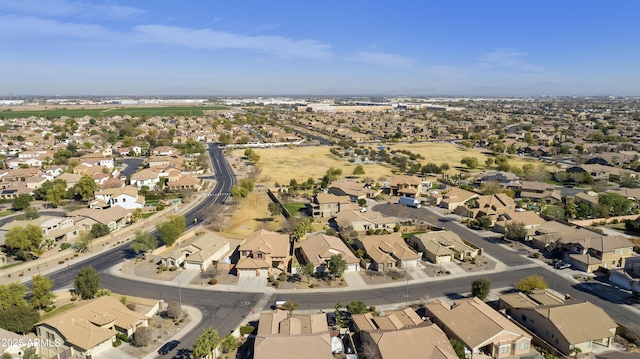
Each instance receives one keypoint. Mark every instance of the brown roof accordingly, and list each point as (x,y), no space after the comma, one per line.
(81,326)
(473,321)
(408,180)
(272,243)
(580,322)
(321,247)
(427,342)
(299,337)
(380,248)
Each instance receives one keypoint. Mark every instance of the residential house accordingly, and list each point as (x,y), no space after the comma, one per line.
(90,328)
(354,190)
(301,336)
(145,177)
(198,251)
(407,186)
(362,222)
(165,151)
(529,219)
(563,324)
(12,190)
(70,178)
(184,182)
(318,250)
(324,205)
(540,191)
(589,254)
(112,217)
(402,334)
(443,246)
(629,276)
(589,197)
(262,251)
(547,234)
(388,251)
(480,328)
(455,197)
(504,179)
(491,206)
(126,197)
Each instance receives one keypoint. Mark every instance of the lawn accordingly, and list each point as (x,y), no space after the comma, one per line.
(116,111)
(56,311)
(281,165)
(6,213)
(294,207)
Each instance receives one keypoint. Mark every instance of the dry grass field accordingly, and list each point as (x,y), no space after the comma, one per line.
(283,164)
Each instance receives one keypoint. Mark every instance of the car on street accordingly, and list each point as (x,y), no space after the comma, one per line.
(168,346)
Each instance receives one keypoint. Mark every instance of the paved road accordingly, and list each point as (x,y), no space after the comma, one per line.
(509,258)
(222,313)
(130,166)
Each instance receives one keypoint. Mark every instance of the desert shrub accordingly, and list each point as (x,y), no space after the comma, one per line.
(246,329)
(174,310)
(142,337)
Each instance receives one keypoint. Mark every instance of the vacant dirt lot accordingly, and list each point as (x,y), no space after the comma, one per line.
(281,165)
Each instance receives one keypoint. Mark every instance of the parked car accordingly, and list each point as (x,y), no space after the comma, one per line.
(168,346)
(563,265)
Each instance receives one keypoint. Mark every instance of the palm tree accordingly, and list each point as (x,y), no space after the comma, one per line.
(201,347)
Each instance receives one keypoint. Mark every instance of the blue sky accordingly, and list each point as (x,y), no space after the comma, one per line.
(193,47)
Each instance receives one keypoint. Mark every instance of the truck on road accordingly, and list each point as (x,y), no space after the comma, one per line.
(409,202)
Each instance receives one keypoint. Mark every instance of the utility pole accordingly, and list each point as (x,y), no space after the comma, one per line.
(180,292)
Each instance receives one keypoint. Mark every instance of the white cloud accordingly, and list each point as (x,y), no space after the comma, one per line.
(506,57)
(211,39)
(384,59)
(16,27)
(64,8)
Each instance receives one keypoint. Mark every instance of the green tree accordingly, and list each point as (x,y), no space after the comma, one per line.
(99,230)
(274,209)
(87,282)
(615,203)
(6,355)
(357,307)
(228,343)
(484,222)
(21,202)
(56,195)
(41,294)
(143,242)
(290,306)
(358,171)
(515,231)
(530,283)
(480,288)
(171,229)
(18,319)
(85,188)
(31,213)
(12,295)
(337,265)
(251,155)
(470,162)
(28,238)
(30,353)
(136,215)
(458,347)
(83,242)
(206,343)
(307,270)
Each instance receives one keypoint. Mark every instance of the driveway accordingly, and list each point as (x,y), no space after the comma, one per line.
(252,282)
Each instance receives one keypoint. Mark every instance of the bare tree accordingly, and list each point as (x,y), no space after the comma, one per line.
(142,337)
(369,351)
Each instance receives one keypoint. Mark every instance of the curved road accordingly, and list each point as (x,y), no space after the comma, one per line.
(225,310)
(221,313)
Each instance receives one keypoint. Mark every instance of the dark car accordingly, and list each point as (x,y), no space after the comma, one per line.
(168,346)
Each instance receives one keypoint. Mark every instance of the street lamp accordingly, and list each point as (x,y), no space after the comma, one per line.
(180,292)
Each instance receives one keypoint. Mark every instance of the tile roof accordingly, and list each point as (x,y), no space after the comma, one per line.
(321,247)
